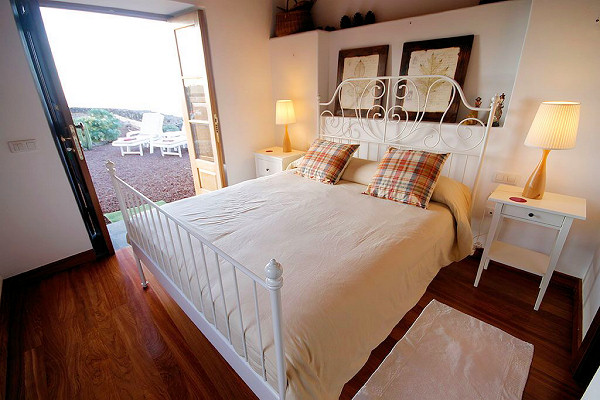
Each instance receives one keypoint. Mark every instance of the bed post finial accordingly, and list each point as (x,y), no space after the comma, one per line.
(110,167)
(274,273)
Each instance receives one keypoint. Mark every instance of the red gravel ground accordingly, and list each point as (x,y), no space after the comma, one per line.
(167,178)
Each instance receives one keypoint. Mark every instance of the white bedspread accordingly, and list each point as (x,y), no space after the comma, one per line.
(353,266)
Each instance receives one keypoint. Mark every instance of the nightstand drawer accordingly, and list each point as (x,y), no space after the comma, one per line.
(267,167)
(533,215)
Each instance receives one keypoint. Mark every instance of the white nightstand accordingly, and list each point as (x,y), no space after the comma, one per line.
(273,159)
(554,211)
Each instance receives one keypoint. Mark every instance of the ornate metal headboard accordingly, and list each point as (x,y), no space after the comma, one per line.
(394,111)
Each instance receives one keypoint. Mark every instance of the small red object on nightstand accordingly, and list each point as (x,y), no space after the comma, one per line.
(268,151)
(518,199)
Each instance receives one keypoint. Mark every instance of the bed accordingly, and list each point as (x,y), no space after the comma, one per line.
(354,264)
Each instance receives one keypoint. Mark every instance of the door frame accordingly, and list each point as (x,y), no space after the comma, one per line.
(60,121)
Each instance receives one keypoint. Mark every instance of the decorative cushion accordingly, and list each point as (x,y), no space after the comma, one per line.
(325,161)
(407,176)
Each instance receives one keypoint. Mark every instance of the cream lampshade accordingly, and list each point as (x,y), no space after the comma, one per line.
(554,128)
(284,115)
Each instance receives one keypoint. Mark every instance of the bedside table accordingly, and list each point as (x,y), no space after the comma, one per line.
(554,211)
(273,159)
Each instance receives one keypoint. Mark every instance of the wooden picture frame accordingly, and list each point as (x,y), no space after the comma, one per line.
(449,57)
(354,63)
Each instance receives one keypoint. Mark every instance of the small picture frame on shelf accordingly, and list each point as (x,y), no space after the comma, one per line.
(361,96)
(448,57)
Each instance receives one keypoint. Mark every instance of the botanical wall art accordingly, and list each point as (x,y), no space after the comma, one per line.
(360,63)
(448,57)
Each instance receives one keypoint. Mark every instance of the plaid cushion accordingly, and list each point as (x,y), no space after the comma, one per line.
(407,176)
(325,161)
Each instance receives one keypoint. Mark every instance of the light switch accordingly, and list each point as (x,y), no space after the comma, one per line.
(505,177)
(499,177)
(21,146)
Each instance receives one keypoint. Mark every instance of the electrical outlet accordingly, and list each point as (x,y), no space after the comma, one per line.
(505,177)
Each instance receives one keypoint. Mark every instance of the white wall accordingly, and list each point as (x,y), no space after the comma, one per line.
(329,12)
(238,32)
(40,219)
(295,66)
(560,61)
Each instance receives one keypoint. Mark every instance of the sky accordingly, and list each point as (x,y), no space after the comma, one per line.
(108,61)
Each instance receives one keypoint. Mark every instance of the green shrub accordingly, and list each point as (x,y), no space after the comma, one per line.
(101,125)
(171,128)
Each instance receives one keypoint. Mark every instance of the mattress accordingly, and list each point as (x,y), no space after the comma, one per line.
(353,266)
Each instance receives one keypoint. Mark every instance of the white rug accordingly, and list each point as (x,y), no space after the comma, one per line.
(450,355)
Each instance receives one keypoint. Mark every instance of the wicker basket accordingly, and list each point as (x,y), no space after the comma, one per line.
(290,22)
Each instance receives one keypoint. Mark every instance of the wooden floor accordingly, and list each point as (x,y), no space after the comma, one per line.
(93,333)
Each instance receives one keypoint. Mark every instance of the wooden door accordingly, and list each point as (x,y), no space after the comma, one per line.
(200,116)
(64,133)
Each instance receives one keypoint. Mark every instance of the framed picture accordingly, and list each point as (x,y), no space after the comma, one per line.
(448,57)
(360,63)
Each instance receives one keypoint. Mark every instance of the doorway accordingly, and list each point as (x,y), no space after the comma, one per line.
(121,75)
(122,83)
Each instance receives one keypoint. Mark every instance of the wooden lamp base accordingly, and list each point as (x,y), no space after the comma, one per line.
(536,184)
(287,143)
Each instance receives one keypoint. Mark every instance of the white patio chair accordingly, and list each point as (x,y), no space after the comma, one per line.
(127,144)
(152,128)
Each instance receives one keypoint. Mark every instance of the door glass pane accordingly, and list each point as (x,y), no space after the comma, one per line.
(202,141)
(191,56)
(195,96)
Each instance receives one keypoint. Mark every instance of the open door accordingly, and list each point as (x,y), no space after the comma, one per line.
(37,49)
(200,116)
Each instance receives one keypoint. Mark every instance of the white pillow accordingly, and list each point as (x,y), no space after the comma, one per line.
(294,164)
(360,171)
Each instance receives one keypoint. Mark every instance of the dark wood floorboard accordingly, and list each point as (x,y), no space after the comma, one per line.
(93,333)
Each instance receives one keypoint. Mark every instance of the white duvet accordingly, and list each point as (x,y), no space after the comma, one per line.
(353,266)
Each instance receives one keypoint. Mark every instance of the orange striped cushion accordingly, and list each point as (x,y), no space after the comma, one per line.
(407,176)
(325,161)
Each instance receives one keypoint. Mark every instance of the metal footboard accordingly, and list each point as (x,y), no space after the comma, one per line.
(183,260)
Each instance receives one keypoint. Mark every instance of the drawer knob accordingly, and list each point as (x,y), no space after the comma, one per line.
(268,171)
(531,214)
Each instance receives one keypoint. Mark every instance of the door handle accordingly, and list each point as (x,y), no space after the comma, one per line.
(75,141)
(217,129)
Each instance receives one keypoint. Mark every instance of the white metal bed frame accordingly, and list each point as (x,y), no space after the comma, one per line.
(383,126)
(380,120)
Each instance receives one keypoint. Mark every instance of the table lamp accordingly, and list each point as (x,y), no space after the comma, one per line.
(554,128)
(284,115)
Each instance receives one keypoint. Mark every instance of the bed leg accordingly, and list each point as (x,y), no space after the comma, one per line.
(141,271)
